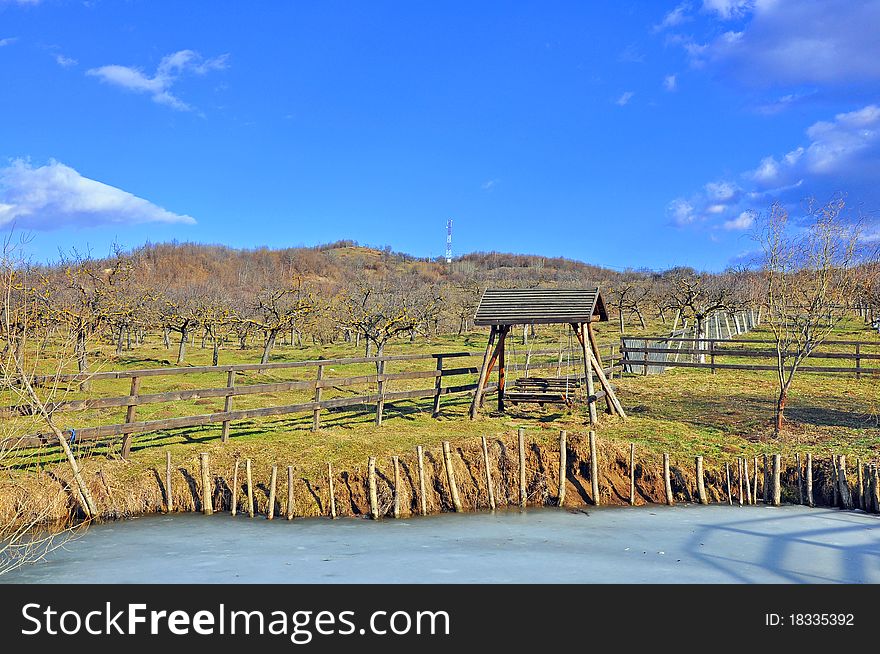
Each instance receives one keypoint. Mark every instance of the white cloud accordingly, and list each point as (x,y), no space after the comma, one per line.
(9,40)
(839,155)
(674,18)
(728,9)
(65,62)
(742,222)
(55,195)
(681,212)
(624,99)
(670,83)
(489,184)
(828,42)
(159,85)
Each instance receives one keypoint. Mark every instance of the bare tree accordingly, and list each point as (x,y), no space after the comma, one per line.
(810,279)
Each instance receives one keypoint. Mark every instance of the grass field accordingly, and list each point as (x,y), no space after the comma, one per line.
(683,411)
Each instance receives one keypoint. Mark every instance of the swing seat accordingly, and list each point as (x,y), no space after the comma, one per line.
(543,390)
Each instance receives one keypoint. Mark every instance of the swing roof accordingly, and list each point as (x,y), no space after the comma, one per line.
(535,306)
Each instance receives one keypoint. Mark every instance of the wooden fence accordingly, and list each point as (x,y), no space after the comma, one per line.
(657,354)
(315,385)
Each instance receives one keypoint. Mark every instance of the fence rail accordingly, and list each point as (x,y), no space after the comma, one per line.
(316,384)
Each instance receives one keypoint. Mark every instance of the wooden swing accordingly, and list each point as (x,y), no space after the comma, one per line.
(500,309)
(546,390)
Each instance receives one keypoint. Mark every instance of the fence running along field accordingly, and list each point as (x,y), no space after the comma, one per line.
(315,391)
(654,355)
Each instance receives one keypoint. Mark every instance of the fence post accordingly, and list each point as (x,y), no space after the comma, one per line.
(290,492)
(233,501)
(396,498)
(667,482)
(437,387)
(371,481)
(331,490)
(610,361)
(207,502)
(489,485)
(594,470)
(316,414)
(450,477)
(250,486)
(712,355)
(562,467)
(227,406)
(273,480)
(169,496)
(777,486)
(423,500)
(858,361)
(701,484)
(129,415)
(632,474)
(521,442)
(380,383)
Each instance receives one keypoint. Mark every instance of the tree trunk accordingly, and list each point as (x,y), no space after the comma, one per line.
(119,342)
(620,318)
(270,343)
(367,347)
(641,319)
(216,358)
(82,363)
(166,338)
(780,408)
(181,350)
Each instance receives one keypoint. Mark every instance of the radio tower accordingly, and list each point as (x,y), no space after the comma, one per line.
(449,241)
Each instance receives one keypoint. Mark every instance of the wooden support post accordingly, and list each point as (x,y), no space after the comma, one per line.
(438,387)
(316,414)
(380,384)
(484,372)
(331,489)
(396,463)
(129,415)
(207,495)
(727,472)
(594,470)
(712,355)
(273,480)
(632,474)
(423,499)
(227,406)
(739,477)
(765,488)
(667,481)
(777,485)
(860,485)
(250,487)
(701,483)
(809,479)
(563,450)
(843,484)
(835,493)
(755,485)
(748,482)
(371,481)
(797,462)
(594,345)
(501,368)
(521,446)
(588,374)
(450,477)
(489,485)
(233,508)
(609,392)
(290,511)
(169,494)
(875,489)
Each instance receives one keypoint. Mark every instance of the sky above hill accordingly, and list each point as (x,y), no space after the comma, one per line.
(625,134)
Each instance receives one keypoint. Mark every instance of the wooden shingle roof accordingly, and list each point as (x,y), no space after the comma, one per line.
(535,306)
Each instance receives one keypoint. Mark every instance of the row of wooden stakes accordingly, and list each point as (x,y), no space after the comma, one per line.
(867,490)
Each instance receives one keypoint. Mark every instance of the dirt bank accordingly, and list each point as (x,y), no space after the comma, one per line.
(121,491)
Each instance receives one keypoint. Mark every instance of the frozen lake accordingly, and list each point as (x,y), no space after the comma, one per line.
(649,544)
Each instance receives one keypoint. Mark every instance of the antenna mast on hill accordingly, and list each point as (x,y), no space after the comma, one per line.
(449,241)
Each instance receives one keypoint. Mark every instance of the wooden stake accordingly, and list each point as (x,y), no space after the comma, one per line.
(809,479)
(396,463)
(273,480)
(250,486)
(207,503)
(450,477)
(331,489)
(766,485)
(755,487)
(701,484)
(289,492)
(594,469)
(845,492)
(777,486)
(632,474)
(521,440)
(797,462)
(739,476)
(727,471)
(562,467)
(834,486)
(667,482)
(374,496)
(169,495)
(423,498)
(748,484)
(489,485)
(875,490)
(860,485)
(234,501)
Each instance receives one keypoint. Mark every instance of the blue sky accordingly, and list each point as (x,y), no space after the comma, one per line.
(626,134)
